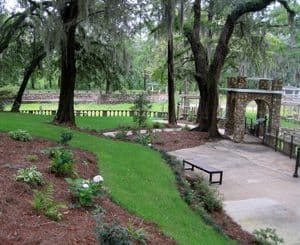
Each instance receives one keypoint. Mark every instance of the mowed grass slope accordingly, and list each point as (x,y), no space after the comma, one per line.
(136,177)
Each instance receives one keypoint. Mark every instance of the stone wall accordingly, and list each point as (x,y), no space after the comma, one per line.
(92,97)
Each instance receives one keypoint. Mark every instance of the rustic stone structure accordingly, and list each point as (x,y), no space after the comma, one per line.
(268,100)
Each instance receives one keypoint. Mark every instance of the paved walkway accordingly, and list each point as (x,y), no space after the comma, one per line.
(258,188)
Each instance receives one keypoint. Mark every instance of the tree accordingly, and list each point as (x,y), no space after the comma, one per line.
(69,14)
(209,75)
(171,83)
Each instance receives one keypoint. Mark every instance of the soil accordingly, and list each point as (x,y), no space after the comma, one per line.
(20,224)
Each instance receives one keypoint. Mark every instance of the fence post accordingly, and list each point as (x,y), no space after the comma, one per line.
(297,163)
(276,139)
(291,146)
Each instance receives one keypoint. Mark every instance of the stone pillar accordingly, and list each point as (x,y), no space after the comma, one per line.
(239,118)
(241,82)
(231,82)
(274,120)
(277,85)
(263,84)
(230,105)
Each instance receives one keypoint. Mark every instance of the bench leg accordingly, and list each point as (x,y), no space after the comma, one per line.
(221,178)
(210,178)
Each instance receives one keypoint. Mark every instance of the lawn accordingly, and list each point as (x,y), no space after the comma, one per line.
(137,178)
(91,106)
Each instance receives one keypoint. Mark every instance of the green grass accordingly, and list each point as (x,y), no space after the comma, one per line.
(136,176)
(54,106)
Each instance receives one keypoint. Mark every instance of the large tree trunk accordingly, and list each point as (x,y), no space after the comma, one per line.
(201,67)
(107,87)
(171,84)
(27,74)
(65,113)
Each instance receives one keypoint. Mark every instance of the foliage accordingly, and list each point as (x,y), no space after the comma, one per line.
(141,107)
(267,236)
(20,135)
(84,191)
(144,139)
(62,162)
(208,195)
(32,158)
(43,202)
(121,134)
(130,180)
(115,234)
(51,152)
(65,137)
(158,125)
(30,176)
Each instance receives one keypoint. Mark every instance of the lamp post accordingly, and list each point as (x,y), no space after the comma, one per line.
(297,163)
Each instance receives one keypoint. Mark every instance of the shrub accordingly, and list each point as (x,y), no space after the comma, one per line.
(65,137)
(158,125)
(144,139)
(20,135)
(84,191)
(115,234)
(30,176)
(32,158)
(62,162)
(43,202)
(208,195)
(121,134)
(52,151)
(267,236)
(141,106)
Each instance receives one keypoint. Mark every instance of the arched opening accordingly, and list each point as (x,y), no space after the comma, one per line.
(256,117)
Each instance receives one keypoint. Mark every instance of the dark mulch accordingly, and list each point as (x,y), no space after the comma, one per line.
(20,224)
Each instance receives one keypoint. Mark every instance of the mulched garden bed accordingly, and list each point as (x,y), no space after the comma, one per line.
(20,224)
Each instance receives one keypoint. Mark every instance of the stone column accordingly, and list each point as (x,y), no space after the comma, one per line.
(239,118)
(230,105)
(263,84)
(274,120)
(241,82)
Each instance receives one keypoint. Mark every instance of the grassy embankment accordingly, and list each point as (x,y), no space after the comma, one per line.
(136,177)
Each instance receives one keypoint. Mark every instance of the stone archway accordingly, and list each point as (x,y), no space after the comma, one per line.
(238,96)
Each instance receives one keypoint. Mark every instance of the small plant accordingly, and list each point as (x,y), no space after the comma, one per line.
(144,139)
(121,134)
(141,107)
(65,137)
(158,125)
(113,234)
(84,191)
(139,235)
(30,176)
(20,135)
(52,151)
(32,158)
(267,236)
(43,202)
(62,162)
(208,196)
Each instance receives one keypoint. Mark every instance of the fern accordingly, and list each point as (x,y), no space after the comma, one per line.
(43,202)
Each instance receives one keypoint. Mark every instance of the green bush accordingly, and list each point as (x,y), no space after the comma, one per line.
(158,125)
(65,137)
(62,162)
(32,158)
(20,135)
(121,134)
(84,191)
(43,202)
(141,107)
(117,235)
(208,195)
(30,176)
(144,139)
(52,151)
(267,236)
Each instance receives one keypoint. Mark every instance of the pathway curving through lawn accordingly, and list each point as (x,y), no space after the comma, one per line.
(136,177)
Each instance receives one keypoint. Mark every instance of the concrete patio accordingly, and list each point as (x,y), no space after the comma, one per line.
(258,188)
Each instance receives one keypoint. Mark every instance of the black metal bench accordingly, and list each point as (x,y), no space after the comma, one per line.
(206,168)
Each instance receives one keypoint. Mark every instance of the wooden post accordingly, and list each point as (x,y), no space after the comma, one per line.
(291,146)
(295,175)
